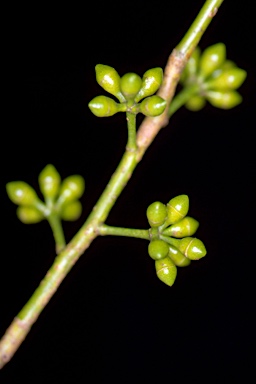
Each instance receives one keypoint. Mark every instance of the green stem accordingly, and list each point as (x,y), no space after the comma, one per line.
(181,98)
(128,232)
(198,27)
(21,325)
(131,125)
(175,64)
(57,230)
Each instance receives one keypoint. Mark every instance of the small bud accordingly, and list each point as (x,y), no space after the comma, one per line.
(158,249)
(227,80)
(226,65)
(191,67)
(185,227)
(71,211)
(103,106)
(152,106)
(195,103)
(130,85)
(191,247)
(211,59)
(166,271)
(177,208)
(29,215)
(156,214)
(21,193)
(151,81)
(224,100)
(177,257)
(49,181)
(71,189)
(108,78)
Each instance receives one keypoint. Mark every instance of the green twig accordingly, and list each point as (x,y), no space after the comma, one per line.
(175,64)
(181,98)
(21,325)
(128,232)
(131,125)
(56,226)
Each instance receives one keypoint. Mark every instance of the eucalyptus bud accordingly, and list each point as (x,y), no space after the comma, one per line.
(177,257)
(158,249)
(151,81)
(156,214)
(195,103)
(166,271)
(224,99)
(49,181)
(185,227)
(108,78)
(152,106)
(191,247)
(21,193)
(71,189)
(103,106)
(71,211)
(191,67)
(130,85)
(177,208)
(29,215)
(211,59)
(229,79)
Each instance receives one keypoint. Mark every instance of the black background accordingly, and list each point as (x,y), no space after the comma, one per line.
(112,319)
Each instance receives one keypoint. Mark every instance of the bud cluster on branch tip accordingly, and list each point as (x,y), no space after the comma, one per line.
(212,78)
(171,244)
(61,198)
(129,89)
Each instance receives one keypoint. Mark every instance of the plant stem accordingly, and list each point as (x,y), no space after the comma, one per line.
(21,325)
(56,226)
(175,64)
(131,125)
(181,98)
(128,232)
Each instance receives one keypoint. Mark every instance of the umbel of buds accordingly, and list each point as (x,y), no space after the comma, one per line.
(213,79)
(171,244)
(61,198)
(130,89)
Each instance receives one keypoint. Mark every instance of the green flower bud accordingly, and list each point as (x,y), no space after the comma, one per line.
(130,85)
(152,106)
(156,214)
(158,249)
(166,271)
(21,193)
(211,59)
(191,247)
(224,100)
(177,208)
(177,257)
(49,181)
(71,211)
(71,189)
(108,78)
(103,106)
(195,103)
(29,215)
(191,67)
(227,80)
(226,65)
(151,81)
(185,227)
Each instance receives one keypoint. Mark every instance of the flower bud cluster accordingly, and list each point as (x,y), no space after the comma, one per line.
(171,243)
(130,89)
(216,78)
(61,198)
